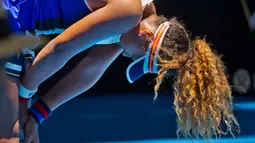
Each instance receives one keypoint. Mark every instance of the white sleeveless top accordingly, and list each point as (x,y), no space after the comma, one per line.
(116,39)
(145,2)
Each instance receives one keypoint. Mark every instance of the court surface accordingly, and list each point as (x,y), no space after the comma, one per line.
(130,118)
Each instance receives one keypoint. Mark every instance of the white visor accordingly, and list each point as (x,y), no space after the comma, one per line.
(149,62)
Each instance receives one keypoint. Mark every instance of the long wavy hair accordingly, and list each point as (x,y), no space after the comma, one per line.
(203,97)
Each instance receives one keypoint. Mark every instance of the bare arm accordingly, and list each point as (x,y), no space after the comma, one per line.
(116,18)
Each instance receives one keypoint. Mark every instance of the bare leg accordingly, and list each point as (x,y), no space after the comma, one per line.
(9,126)
(83,76)
(12,140)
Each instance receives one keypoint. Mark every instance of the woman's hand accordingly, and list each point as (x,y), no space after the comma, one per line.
(31,131)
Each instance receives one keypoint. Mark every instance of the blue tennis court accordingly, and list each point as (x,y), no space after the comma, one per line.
(130,118)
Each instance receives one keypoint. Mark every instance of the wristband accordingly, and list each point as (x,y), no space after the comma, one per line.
(23,100)
(40,111)
(26,93)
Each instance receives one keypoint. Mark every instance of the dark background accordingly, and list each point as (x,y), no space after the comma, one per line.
(224,25)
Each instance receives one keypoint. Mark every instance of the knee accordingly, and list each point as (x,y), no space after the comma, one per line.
(9,88)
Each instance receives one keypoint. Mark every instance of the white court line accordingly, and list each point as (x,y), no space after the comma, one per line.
(249,139)
(245,106)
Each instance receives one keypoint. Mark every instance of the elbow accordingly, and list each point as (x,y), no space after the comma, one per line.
(131,11)
(136,13)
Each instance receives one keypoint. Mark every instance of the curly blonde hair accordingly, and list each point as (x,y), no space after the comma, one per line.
(203,97)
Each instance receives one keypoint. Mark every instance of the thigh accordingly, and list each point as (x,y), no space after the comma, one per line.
(8,100)
(10,79)
(12,140)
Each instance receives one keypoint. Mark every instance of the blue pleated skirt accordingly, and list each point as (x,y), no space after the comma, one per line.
(46,17)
